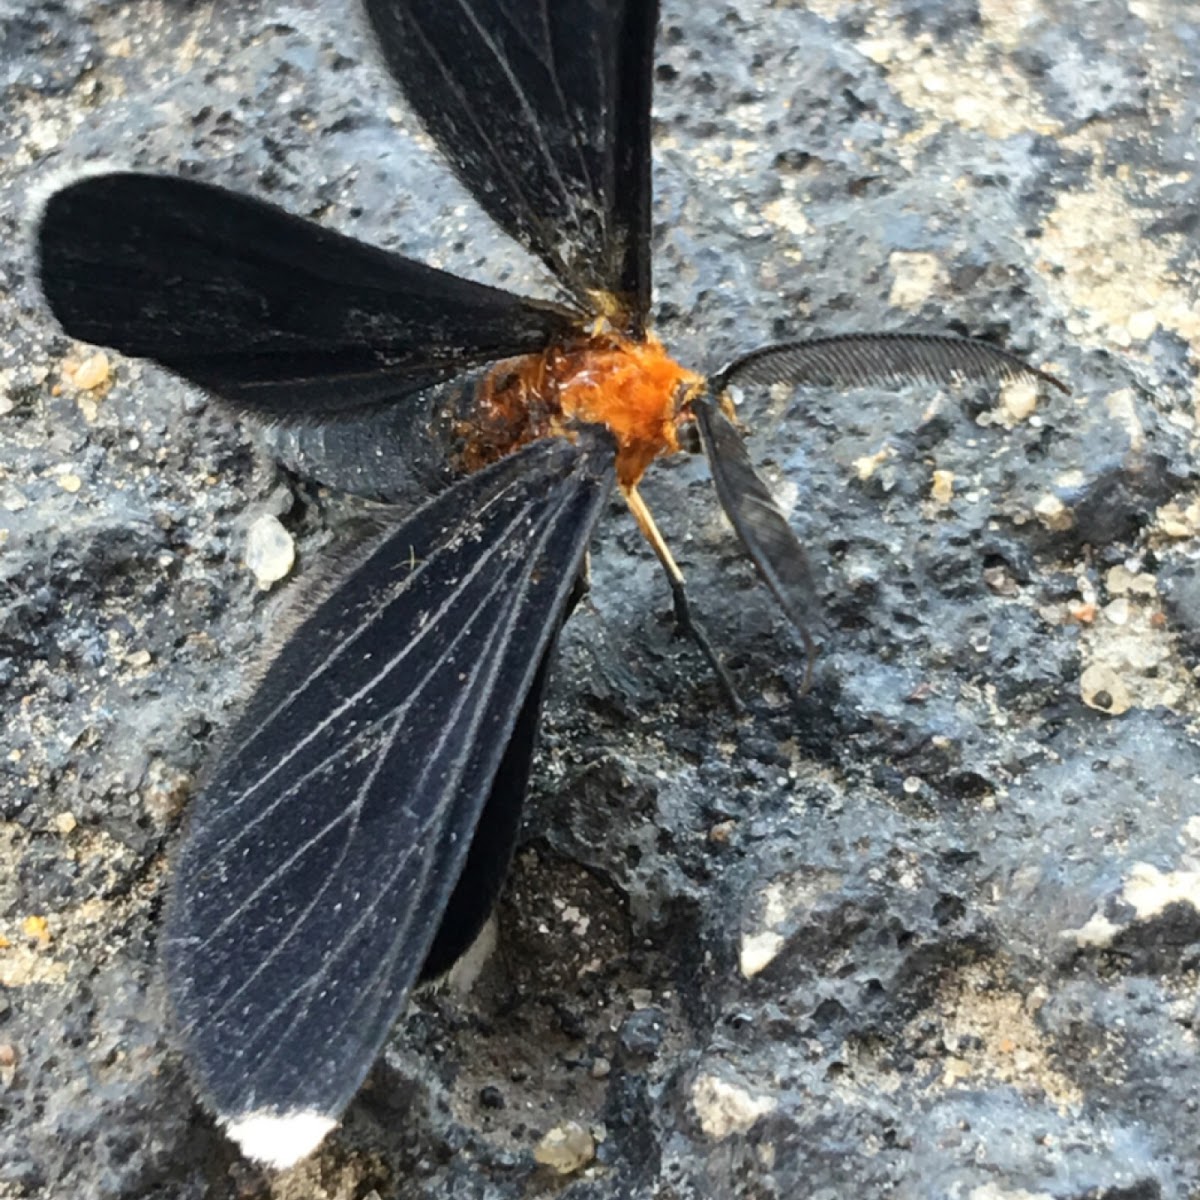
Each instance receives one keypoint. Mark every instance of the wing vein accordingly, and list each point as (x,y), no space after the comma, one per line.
(355,805)
(355,697)
(345,748)
(383,969)
(558,263)
(453,773)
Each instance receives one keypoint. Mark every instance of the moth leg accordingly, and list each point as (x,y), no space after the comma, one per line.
(685,622)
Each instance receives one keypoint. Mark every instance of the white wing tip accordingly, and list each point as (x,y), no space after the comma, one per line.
(279,1139)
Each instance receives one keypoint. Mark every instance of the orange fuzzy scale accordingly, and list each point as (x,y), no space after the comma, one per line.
(635,389)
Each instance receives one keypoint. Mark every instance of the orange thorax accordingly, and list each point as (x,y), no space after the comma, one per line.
(633,388)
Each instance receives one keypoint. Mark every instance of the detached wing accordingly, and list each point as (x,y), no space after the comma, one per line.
(322,854)
(542,107)
(269,311)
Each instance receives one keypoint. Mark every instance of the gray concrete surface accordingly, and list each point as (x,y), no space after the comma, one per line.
(930,930)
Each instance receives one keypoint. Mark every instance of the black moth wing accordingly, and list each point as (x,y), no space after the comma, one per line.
(271,312)
(321,855)
(486,867)
(495,836)
(760,526)
(542,108)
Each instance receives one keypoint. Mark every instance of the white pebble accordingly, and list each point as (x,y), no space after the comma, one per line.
(270,551)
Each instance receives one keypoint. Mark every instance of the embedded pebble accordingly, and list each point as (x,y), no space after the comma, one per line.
(758,951)
(92,373)
(37,928)
(1104,690)
(270,551)
(1018,401)
(724,1108)
(565,1148)
(917,275)
(1053,513)
(1117,611)
(1122,581)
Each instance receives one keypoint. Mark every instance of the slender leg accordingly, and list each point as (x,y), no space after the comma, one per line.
(685,623)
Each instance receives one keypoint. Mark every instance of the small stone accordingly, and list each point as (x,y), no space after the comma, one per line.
(139,658)
(868,464)
(1000,582)
(917,276)
(601,1067)
(65,823)
(1177,522)
(724,1108)
(1018,401)
(942,488)
(1116,612)
(1082,612)
(270,551)
(70,482)
(92,373)
(1053,513)
(1104,690)
(788,214)
(490,1096)
(721,832)
(758,951)
(565,1148)
(37,928)
(1121,581)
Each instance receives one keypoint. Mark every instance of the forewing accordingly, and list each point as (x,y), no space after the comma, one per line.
(761,527)
(542,107)
(322,853)
(269,311)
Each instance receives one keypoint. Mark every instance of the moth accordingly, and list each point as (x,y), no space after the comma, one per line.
(357,820)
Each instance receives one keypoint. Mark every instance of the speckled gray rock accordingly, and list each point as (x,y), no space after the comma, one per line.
(931,929)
